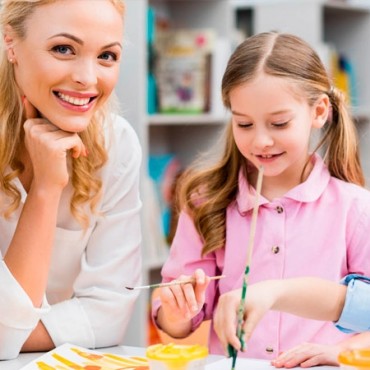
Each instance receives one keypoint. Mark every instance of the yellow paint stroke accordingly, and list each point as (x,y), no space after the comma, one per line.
(88,355)
(44,366)
(67,362)
(108,359)
(138,361)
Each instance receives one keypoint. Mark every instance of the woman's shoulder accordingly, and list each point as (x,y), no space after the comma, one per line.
(120,136)
(120,128)
(122,143)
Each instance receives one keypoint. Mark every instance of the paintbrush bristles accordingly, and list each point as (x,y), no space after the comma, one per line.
(173,282)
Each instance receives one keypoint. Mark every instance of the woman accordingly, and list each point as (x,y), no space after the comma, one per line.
(69,225)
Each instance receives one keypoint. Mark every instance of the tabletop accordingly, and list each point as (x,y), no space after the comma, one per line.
(213,362)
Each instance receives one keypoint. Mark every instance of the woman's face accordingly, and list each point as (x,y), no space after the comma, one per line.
(68,63)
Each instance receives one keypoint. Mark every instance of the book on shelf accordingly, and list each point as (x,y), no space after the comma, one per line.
(69,356)
(182,70)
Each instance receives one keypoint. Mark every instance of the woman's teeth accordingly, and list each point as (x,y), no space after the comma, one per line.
(73,100)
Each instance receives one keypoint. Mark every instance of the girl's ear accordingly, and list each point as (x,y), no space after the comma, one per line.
(321,111)
(9,43)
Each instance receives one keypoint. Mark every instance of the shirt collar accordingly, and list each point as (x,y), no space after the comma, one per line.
(308,191)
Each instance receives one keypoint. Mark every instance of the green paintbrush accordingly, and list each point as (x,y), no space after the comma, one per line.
(239,331)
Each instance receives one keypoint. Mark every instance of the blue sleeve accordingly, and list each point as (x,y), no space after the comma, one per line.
(355,316)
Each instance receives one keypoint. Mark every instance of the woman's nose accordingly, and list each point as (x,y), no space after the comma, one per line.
(85,72)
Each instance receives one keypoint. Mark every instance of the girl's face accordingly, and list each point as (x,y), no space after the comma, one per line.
(272,125)
(68,63)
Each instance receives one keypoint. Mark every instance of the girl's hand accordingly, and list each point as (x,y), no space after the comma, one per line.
(47,146)
(225,319)
(260,298)
(180,303)
(308,355)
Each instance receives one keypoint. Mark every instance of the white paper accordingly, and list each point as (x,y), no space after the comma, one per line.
(241,364)
(68,357)
(250,364)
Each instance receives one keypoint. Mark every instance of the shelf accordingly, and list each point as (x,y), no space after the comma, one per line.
(186,119)
(351,5)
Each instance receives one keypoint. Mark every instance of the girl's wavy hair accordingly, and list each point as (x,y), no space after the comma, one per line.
(206,194)
(84,170)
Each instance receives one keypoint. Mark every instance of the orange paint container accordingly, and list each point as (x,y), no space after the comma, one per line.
(358,359)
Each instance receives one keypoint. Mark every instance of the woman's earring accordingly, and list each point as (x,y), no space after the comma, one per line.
(11,60)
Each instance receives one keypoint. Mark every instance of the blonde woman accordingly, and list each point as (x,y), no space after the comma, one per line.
(69,168)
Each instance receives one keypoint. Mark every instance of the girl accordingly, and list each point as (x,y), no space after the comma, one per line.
(69,171)
(313,208)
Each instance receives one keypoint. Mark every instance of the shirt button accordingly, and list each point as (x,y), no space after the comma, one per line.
(269,350)
(275,249)
(279,209)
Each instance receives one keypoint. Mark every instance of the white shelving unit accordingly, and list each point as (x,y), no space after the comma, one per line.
(342,23)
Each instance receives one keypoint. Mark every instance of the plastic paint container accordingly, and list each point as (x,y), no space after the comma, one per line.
(176,357)
(358,359)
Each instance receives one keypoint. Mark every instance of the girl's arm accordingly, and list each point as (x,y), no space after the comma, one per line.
(313,298)
(180,318)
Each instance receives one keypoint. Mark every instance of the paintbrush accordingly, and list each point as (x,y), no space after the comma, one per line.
(239,330)
(173,282)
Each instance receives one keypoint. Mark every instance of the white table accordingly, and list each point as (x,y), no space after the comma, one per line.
(213,362)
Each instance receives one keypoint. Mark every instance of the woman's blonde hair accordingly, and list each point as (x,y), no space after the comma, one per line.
(85,180)
(206,194)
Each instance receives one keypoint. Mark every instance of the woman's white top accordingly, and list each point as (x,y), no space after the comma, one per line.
(85,302)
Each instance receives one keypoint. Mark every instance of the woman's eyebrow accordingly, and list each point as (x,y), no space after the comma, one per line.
(69,36)
(79,41)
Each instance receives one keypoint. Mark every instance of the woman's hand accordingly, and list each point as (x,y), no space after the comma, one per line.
(308,355)
(180,303)
(47,146)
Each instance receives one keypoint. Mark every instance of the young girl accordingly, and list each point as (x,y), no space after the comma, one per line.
(314,214)
(69,169)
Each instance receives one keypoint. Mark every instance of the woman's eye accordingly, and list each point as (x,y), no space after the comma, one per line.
(63,49)
(108,56)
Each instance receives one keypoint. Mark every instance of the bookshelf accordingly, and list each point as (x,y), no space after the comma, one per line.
(343,24)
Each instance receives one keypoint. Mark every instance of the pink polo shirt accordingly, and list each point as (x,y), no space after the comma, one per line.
(319,228)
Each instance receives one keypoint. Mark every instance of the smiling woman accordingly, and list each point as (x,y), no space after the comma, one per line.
(69,200)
